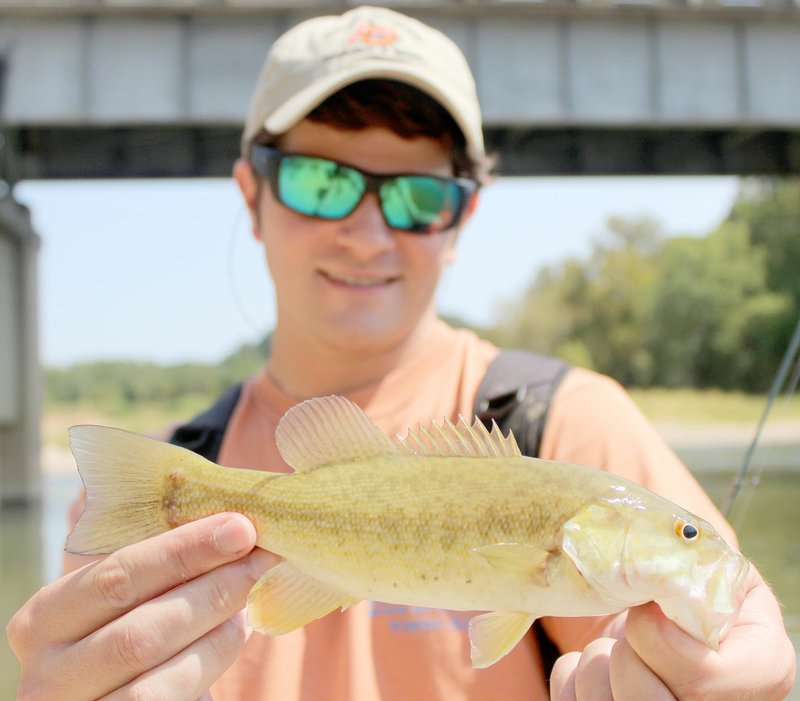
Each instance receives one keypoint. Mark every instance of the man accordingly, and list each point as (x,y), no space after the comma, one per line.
(361,160)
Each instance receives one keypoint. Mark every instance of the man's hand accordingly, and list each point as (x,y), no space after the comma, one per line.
(158,619)
(657,661)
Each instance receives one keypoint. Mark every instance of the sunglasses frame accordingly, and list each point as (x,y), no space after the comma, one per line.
(266,160)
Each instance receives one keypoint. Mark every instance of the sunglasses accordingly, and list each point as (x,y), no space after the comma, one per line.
(326,189)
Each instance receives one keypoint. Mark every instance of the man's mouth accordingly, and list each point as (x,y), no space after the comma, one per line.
(364,281)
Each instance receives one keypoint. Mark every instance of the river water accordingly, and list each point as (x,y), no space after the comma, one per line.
(31,541)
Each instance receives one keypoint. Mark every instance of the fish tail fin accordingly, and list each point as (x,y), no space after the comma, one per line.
(125,477)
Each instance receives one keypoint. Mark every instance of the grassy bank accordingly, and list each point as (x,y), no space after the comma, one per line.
(149,418)
(696,407)
(683,407)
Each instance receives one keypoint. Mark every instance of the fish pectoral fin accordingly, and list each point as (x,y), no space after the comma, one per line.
(493,635)
(286,598)
(521,559)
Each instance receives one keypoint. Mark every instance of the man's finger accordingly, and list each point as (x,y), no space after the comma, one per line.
(631,679)
(562,677)
(592,682)
(83,601)
(673,655)
(150,635)
(187,675)
(755,660)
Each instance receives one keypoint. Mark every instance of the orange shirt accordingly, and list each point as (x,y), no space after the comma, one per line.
(377,652)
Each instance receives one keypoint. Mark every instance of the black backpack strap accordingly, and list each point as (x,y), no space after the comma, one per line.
(203,434)
(516,393)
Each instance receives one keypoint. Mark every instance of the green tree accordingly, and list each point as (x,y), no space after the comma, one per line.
(613,316)
(592,313)
(709,294)
(544,319)
(771,210)
(119,385)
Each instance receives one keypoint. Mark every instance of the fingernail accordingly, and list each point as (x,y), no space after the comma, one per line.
(248,629)
(232,537)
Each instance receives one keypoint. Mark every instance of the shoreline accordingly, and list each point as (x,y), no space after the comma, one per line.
(703,447)
(676,433)
(723,447)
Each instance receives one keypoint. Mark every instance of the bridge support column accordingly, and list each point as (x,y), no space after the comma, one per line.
(20,472)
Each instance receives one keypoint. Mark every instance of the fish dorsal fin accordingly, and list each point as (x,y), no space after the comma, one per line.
(328,430)
(460,440)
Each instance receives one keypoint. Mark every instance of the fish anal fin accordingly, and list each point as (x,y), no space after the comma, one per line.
(493,635)
(327,430)
(446,439)
(530,562)
(286,598)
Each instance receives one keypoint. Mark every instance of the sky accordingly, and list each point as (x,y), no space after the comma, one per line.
(167,271)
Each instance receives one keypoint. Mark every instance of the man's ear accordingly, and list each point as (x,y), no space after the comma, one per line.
(248,187)
(246,180)
(470,208)
(451,253)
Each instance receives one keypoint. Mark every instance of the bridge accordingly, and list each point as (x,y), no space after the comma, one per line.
(116,88)
(138,88)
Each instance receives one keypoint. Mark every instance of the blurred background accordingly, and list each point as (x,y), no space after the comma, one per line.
(645,222)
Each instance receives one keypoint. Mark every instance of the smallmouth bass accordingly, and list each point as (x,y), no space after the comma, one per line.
(451,517)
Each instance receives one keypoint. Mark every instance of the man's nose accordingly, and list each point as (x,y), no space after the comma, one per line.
(365,232)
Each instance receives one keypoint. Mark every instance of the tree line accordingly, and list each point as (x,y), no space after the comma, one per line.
(651,310)
(121,385)
(646,308)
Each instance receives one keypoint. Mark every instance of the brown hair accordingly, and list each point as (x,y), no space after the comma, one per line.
(405,110)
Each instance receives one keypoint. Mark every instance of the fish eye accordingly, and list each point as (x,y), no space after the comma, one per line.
(688,531)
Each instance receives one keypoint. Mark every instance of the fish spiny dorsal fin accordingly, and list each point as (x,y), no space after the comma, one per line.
(328,430)
(446,439)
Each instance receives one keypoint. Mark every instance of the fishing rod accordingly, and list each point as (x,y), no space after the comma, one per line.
(744,476)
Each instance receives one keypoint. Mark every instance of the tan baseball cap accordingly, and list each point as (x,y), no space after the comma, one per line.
(321,55)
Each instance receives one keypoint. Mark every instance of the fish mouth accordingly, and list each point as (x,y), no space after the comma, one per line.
(726,579)
(712,605)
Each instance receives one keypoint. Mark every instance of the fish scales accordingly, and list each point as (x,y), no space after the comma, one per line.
(451,517)
(413,521)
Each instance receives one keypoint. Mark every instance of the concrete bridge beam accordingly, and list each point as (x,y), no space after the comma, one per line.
(586,72)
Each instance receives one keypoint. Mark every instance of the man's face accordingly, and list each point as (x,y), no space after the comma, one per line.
(354,284)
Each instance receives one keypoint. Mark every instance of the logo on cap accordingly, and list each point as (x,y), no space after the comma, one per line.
(371,34)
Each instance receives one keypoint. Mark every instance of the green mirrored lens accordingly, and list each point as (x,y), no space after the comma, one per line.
(318,187)
(420,203)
